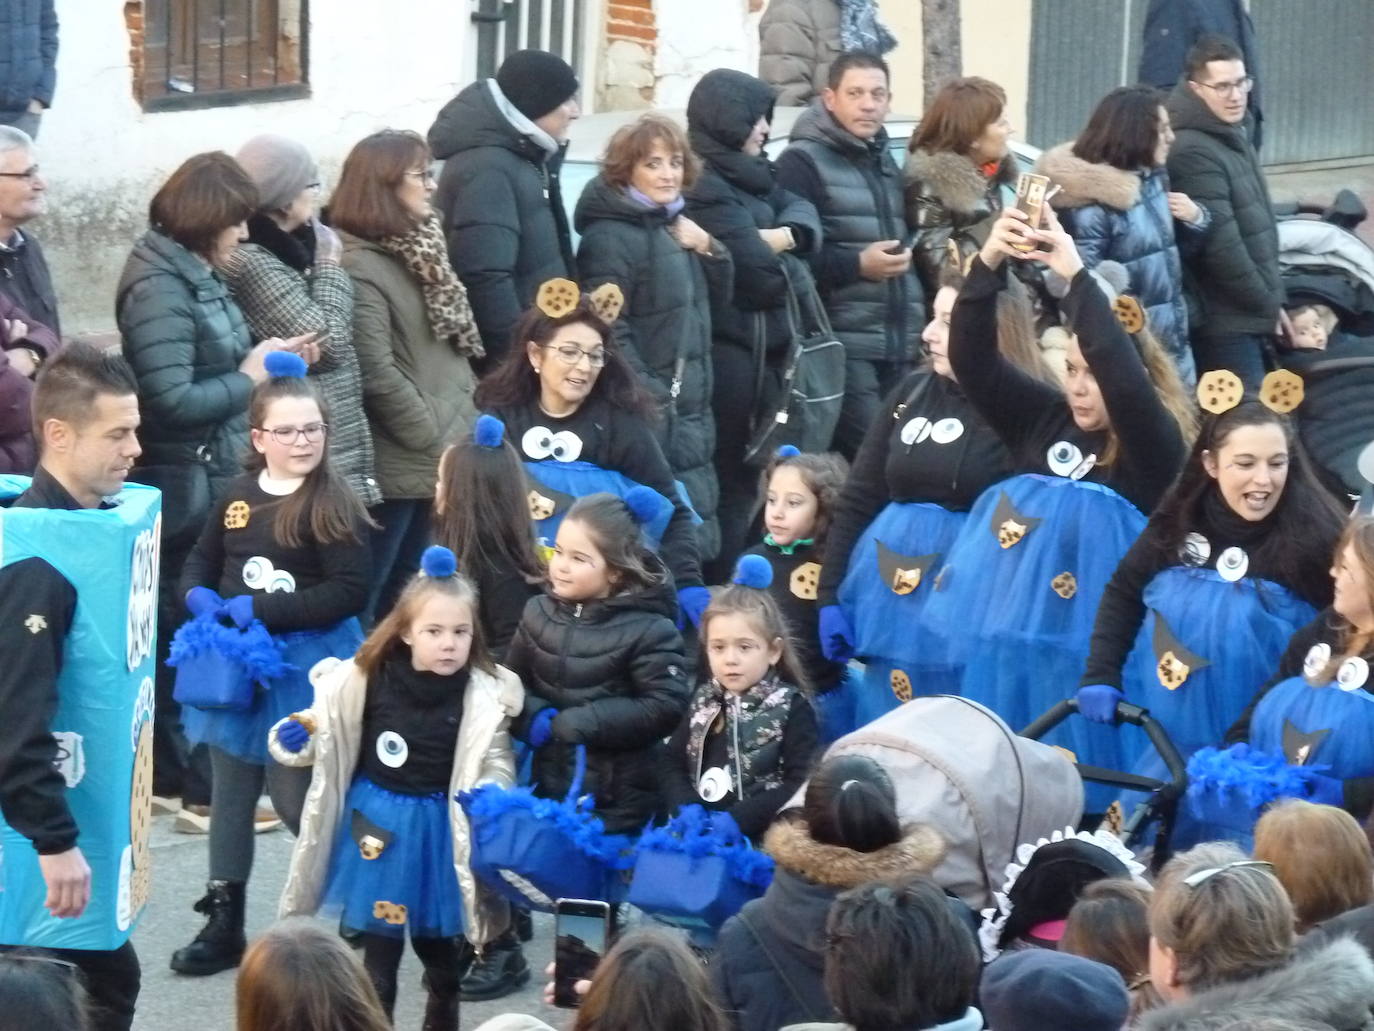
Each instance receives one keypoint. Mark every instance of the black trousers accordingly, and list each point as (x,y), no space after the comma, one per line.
(865,385)
(112,979)
(446,961)
(1245,354)
(177,769)
(733,400)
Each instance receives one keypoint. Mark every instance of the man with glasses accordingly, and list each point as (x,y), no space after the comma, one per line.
(24,276)
(1235,292)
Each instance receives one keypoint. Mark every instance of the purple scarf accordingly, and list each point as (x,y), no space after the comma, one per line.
(673,208)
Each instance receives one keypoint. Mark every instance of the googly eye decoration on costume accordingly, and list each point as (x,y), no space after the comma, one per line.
(1196,550)
(392,749)
(947,431)
(539,443)
(1066,459)
(1353,674)
(1315,661)
(260,575)
(715,784)
(916,431)
(1233,564)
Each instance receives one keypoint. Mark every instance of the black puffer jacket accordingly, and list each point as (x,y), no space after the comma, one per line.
(735,197)
(1336,420)
(1234,277)
(25,279)
(665,329)
(502,210)
(949,199)
(28,53)
(614,671)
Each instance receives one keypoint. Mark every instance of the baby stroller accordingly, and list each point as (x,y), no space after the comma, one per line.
(1160,805)
(1322,261)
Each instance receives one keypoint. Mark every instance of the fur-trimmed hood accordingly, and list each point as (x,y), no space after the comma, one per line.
(1329,982)
(1083,182)
(790,843)
(955,180)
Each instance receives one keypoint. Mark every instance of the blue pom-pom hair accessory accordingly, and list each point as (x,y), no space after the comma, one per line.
(438,562)
(644,504)
(489,431)
(285,365)
(753,571)
(788,451)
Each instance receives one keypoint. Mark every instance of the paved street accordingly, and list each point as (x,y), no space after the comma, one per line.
(170,1002)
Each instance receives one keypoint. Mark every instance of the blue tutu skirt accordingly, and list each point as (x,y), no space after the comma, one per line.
(411,885)
(1348,748)
(559,484)
(244,734)
(836,713)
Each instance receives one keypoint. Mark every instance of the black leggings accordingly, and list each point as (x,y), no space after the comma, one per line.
(446,961)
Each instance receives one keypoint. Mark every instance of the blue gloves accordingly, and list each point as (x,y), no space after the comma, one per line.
(240,610)
(201,601)
(1098,702)
(837,637)
(1324,790)
(541,727)
(693,602)
(292,735)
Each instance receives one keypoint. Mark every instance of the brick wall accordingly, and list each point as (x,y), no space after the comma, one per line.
(627,61)
(632,20)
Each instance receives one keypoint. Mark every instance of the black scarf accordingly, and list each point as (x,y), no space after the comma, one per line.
(753,173)
(295,249)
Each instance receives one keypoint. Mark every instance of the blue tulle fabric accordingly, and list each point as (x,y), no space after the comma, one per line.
(1347,752)
(695,832)
(415,869)
(1228,789)
(219,666)
(577,480)
(244,734)
(837,709)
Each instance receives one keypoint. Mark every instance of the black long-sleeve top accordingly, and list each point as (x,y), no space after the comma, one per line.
(1122,609)
(887,468)
(1032,416)
(33,594)
(794,589)
(414,716)
(238,553)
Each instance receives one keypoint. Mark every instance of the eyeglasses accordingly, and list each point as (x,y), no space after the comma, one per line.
(571,354)
(425,177)
(1228,89)
(30,173)
(1202,876)
(287,435)
(315,188)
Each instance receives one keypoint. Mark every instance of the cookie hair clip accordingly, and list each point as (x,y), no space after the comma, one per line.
(438,562)
(1281,391)
(559,297)
(489,431)
(753,571)
(1220,390)
(284,365)
(644,504)
(1129,313)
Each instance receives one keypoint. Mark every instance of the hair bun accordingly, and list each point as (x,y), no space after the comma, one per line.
(284,365)
(644,503)
(788,451)
(438,562)
(489,431)
(754,571)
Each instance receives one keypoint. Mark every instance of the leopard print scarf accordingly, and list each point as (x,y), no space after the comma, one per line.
(424,251)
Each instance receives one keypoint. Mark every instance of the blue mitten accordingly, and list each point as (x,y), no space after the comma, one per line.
(837,637)
(201,601)
(541,727)
(293,735)
(693,602)
(240,610)
(1324,790)
(1098,702)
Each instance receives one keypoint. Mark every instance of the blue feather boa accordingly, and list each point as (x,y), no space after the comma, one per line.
(694,832)
(1244,773)
(254,649)
(575,818)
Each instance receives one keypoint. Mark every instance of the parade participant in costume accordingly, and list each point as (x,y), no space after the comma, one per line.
(77,632)
(420,714)
(799,498)
(285,550)
(602,662)
(924,463)
(1232,563)
(575,410)
(749,736)
(1020,585)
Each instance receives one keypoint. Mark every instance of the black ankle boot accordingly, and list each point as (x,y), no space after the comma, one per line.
(220,944)
(501,970)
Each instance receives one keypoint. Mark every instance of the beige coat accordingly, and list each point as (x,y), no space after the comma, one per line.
(483,756)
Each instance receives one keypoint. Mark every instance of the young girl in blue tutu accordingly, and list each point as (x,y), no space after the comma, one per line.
(285,547)
(420,714)
(601,660)
(749,737)
(799,494)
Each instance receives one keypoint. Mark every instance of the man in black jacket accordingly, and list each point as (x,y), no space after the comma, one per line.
(502,142)
(840,161)
(28,62)
(85,409)
(24,273)
(1234,277)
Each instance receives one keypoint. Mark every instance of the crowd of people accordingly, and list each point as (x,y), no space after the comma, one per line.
(479,507)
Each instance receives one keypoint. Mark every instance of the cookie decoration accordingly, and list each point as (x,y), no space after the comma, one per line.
(236,515)
(1129,313)
(1281,391)
(607,301)
(902,573)
(1174,663)
(1219,391)
(1065,585)
(805,580)
(901,685)
(1299,746)
(389,912)
(1008,525)
(370,839)
(557,297)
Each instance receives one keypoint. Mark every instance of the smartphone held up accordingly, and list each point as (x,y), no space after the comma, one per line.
(582,934)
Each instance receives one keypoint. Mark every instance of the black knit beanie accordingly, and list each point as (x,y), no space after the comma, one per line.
(536,82)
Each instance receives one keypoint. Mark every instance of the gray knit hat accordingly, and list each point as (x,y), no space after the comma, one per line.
(279,167)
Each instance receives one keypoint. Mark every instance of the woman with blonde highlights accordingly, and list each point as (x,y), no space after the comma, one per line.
(299,977)
(1321,857)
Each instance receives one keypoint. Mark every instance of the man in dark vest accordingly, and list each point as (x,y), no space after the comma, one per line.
(840,161)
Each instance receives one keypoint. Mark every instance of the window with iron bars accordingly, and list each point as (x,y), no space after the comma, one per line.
(214,53)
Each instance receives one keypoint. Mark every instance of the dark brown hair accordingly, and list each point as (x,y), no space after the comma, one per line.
(300,977)
(650,979)
(854,59)
(515,384)
(365,203)
(323,509)
(765,618)
(850,802)
(41,990)
(619,538)
(1207,49)
(385,640)
(205,196)
(1110,923)
(632,143)
(822,474)
(68,385)
(1123,129)
(1321,857)
(959,114)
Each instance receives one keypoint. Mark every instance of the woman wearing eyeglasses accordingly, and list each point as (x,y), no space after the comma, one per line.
(414,335)
(1223,952)
(581,421)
